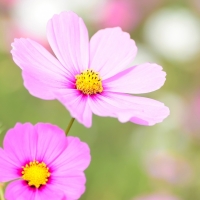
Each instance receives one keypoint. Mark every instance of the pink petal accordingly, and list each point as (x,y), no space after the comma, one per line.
(51,142)
(138,79)
(77,105)
(75,157)
(20,143)
(42,142)
(39,68)
(19,190)
(36,88)
(138,110)
(73,184)
(68,37)
(111,50)
(50,192)
(67,170)
(9,169)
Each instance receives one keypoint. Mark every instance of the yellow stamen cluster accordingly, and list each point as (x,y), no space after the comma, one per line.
(89,82)
(36,173)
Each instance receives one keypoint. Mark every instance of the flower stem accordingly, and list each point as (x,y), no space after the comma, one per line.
(1,193)
(69,126)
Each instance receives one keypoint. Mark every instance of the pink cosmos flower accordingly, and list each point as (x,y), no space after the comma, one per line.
(90,77)
(43,162)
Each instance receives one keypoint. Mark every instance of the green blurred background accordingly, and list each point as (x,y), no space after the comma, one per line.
(128,161)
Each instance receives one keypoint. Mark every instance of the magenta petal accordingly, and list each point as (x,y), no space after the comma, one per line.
(77,104)
(73,184)
(138,79)
(19,190)
(42,142)
(139,110)
(75,157)
(50,192)
(67,170)
(39,68)
(51,142)
(68,37)
(111,50)
(9,169)
(20,143)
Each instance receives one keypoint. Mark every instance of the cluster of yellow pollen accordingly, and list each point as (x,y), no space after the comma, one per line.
(89,82)
(36,173)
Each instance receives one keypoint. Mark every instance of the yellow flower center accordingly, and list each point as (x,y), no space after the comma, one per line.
(36,173)
(89,82)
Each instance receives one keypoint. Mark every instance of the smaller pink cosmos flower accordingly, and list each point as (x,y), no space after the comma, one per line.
(90,77)
(43,162)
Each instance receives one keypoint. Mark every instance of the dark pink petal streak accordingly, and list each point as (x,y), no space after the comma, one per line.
(77,104)
(19,190)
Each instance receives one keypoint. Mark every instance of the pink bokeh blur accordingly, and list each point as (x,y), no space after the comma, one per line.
(124,13)
(157,197)
(192,119)
(168,167)
(7,3)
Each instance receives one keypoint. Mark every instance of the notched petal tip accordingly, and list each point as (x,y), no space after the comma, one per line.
(84,147)
(14,44)
(165,114)
(85,122)
(64,13)
(19,126)
(111,47)
(69,40)
(20,41)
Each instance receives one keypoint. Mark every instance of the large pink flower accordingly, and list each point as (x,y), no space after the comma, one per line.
(90,77)
(44,163)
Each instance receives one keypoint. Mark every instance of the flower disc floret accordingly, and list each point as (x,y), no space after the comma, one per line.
(89,82)
(36,173)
